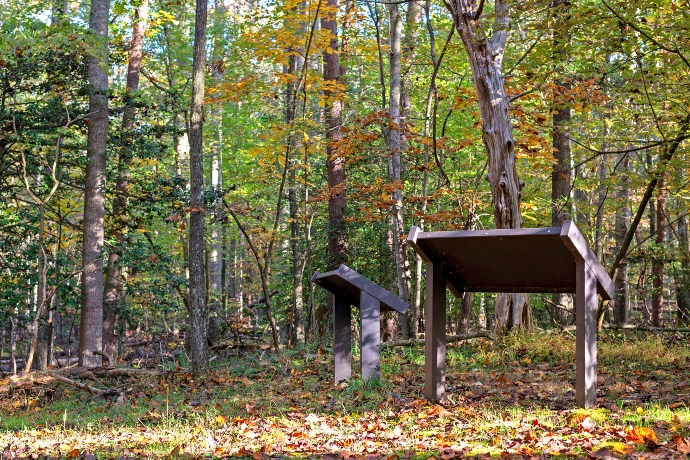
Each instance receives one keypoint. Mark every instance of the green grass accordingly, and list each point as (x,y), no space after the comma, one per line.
(501,396)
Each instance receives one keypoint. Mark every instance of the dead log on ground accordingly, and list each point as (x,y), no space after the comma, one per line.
(449,339)
(23,382)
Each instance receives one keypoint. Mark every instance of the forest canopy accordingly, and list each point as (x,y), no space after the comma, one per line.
(180,170)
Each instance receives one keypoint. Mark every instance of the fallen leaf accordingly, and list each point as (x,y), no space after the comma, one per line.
(641,435)
(622,448)
(679,443)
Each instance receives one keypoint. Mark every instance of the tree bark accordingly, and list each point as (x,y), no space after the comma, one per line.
(215,254)
(198,314)
(409,57)
(485,54)
(296,316)
(333,71)
(659,255)
(91,325)
(561,119)
(114,283)
(620,296)
(395,144)
(682,278)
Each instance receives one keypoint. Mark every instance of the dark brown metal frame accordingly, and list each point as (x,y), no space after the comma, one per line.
(352,289)
(555,259)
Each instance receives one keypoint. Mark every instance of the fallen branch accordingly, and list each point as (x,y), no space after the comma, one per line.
(632,327)
(81,386)
(23,382)
(449,339)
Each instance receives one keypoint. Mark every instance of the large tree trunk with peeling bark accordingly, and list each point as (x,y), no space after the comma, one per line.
(91,325)
(198,312)
(485,54)
(114,282)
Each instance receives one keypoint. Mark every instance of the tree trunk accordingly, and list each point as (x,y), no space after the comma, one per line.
(561,171)
(296,317)
(620,296)
(59,11)
(513,311)
(409,57)
(91,325)
(683,276)
(41,294)
(335,164)
(215,255)
(659,255)
(114,283)
(395,144)
(198,314)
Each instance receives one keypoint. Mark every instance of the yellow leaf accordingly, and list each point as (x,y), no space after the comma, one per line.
(220,419)
(622,448)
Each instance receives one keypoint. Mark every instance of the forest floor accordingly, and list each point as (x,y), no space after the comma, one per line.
(515,399)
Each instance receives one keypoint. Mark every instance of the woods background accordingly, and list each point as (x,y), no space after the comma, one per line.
(174,173)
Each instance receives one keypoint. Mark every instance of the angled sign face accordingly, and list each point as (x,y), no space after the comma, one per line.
(528,260)
(349,289)
(346,282)
(538,260)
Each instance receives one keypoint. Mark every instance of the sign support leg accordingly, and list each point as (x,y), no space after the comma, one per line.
(342,339)
(370,309)
(586,341)
(435,336)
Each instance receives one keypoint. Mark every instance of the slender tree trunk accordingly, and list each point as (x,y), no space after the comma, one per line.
(659,255)
(114,282)
(409,57)
(335,163)
(683,276)
(91,325)
(59,11)
(41,294)
(395,143)
(13,345)
(198,313)
(603,166)
(296,316)
(561,119)
(215,253)
(620,283)
(485,54)
(601,193)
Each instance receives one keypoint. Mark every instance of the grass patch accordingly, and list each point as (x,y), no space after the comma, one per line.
(516,397)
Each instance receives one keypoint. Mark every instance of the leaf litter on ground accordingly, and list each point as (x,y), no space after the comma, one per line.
(514,399)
